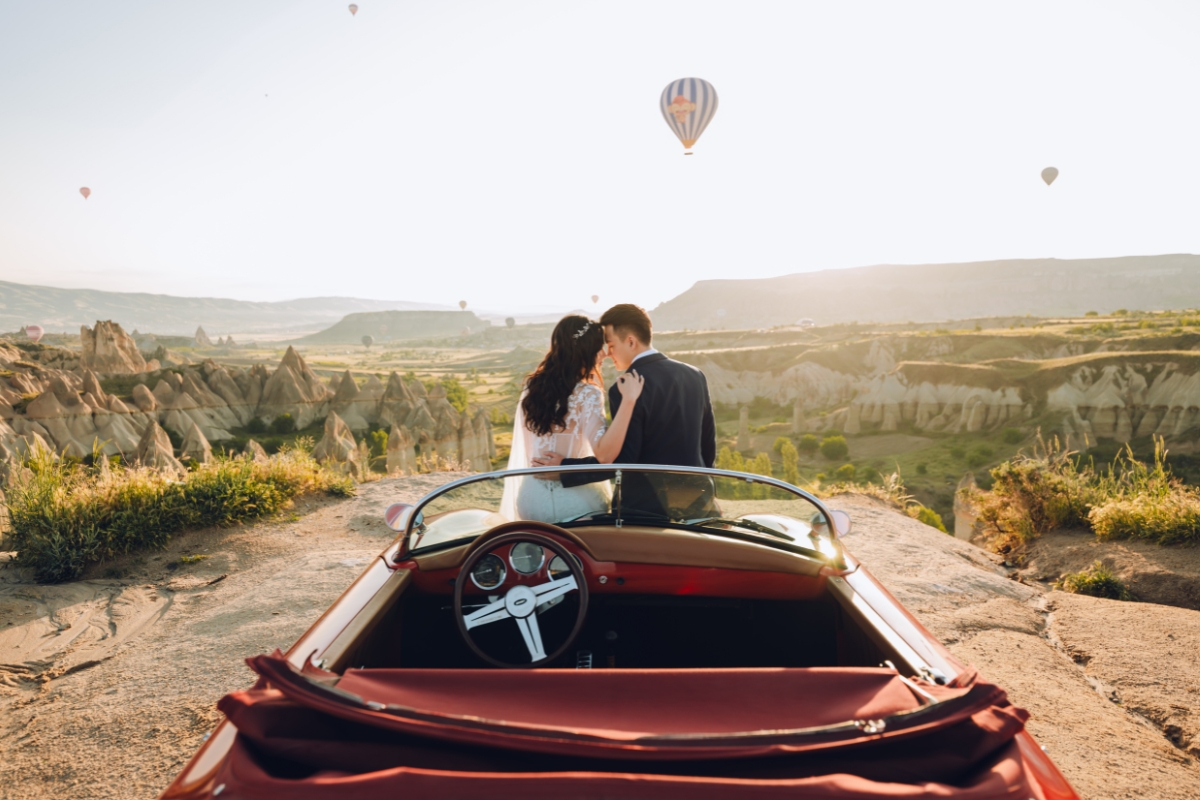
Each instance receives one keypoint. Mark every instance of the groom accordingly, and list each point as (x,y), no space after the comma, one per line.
(672,422)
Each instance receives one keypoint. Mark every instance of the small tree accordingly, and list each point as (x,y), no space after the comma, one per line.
(845,473)
(808,444)
(283,425)
(780,441)
(835,448)
(791,462)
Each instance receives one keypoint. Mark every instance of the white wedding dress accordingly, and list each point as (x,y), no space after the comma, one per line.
(527,497)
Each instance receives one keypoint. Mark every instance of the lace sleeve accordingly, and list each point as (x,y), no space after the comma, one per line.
(585,416)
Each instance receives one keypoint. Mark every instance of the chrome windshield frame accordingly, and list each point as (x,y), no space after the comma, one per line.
(616,470)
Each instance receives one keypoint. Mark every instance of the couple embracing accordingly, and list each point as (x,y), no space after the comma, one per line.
(661,414)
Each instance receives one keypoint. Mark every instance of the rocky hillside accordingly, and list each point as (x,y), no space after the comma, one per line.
(932,292)
(54,400)
(59,310)
(1115,387)
(388,326)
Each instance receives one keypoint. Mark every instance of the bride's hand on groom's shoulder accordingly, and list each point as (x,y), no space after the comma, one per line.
(630,385)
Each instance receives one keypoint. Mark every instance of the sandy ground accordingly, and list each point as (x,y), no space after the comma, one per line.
(108,685)
(1155,574)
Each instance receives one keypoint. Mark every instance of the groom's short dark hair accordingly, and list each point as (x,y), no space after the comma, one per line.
(626,318)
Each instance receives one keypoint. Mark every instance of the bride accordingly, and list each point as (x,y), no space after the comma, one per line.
(562,411)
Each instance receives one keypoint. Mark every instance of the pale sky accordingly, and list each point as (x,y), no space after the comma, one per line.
(513,154)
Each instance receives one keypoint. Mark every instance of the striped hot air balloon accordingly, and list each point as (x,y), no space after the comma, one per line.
(688,105)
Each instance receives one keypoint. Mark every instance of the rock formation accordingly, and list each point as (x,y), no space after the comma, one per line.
(154,452)
(255,452)
(110,350)
(294,389)
(70,412)
(202,338)
(337,445)
(401,455)
(195,447)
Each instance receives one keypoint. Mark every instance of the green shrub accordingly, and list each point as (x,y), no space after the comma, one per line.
(984,450)
(283,425)
(63,516)
(922,468)
(1011,435)
(379,443)
(1172,518)
(791,462)
(845,473)
(927,515)
(835,448)
(256,425)
(808,444)
(780,441)
(958,453)
(456,393)
(1091,313)
(1095,581)
(870,475)
(976,459)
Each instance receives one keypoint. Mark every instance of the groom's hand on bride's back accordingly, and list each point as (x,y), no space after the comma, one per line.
(547,460)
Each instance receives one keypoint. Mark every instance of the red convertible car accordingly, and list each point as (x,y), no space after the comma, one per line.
(697,634)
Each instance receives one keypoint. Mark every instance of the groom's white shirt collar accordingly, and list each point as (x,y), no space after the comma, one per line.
(648,352)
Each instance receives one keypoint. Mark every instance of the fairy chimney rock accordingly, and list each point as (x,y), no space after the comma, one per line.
(154,451)
(202,338)
(255,452)
(108,349)
(337,444)
(195,446)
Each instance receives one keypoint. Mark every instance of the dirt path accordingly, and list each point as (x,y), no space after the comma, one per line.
(108,685)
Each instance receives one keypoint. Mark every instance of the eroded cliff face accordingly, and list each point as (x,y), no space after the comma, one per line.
(1116,389)
(67,412)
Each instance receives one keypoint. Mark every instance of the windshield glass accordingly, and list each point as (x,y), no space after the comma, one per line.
(712,501)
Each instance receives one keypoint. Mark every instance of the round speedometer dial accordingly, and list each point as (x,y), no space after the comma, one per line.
(489,572)
(527,557)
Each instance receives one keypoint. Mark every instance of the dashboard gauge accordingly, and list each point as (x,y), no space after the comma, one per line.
(489,572)
(559,569)
(527,557)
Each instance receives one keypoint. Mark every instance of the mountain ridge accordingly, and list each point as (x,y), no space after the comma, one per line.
(884,293)
(65,310)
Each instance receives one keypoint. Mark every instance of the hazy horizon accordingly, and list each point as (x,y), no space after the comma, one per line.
(514,155)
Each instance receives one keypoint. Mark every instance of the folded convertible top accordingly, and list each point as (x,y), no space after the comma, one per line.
(845,733)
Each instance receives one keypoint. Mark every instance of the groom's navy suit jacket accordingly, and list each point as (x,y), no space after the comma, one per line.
(672,422)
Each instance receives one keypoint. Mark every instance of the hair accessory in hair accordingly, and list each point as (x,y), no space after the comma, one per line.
(583,330)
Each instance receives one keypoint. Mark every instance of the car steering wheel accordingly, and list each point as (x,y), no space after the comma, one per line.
(518,568)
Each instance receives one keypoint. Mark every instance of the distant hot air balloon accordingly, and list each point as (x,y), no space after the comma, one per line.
(462,304)
(595,298)
(368,340)
(35,332)
(1049,174)
(509,322)
(688,105)
(85,192)
(353,9)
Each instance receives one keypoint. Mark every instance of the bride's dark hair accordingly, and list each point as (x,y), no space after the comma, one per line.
(572,358)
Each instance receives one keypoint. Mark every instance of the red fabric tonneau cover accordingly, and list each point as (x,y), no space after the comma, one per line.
(845,733)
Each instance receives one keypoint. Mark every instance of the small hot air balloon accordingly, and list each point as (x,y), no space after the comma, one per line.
(368,340)
(1049,174)
(595,298)
(85,192)
(688,105)
(353,9)
(34,332)
(462,304)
